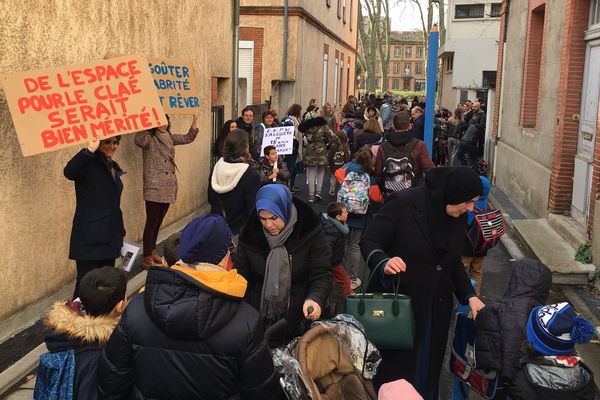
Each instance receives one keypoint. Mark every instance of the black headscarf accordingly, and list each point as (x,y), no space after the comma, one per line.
(449,185)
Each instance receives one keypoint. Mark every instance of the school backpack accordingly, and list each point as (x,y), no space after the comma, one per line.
(354,192)
(486,229)
(55,376)
(398,171)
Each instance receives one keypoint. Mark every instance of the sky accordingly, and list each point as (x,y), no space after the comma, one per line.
(405,15)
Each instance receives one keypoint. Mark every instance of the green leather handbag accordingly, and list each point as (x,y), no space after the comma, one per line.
(388,318)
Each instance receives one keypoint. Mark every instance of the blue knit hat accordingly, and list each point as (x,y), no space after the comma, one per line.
(276,199)
(554,329)
(205,239)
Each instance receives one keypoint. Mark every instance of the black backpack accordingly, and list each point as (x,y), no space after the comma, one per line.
(398,171)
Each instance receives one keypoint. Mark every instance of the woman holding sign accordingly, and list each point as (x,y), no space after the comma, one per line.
(160,181)
(97,233)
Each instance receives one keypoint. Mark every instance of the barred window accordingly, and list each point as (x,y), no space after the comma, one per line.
(496,10)
(464,11)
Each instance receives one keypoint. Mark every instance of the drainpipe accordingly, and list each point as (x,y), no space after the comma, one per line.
(235,59)
(285,41)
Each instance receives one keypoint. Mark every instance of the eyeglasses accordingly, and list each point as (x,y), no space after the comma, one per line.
(232,246)
(115,142)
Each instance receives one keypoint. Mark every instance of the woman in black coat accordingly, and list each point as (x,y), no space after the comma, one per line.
(97,233)
(233,183)
(420,230)
(286,235)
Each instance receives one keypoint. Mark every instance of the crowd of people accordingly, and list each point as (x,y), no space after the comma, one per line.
(263,255)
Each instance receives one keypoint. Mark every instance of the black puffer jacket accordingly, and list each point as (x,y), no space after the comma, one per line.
(536,381)
(335,240)
(188,336)
(501,325)
(309,259)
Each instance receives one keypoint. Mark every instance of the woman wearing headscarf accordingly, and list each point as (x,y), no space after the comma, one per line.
(283,254)
(420,230)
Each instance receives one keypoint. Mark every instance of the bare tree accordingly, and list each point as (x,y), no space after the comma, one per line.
(374,37)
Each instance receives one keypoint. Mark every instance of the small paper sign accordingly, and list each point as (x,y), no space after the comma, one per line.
(282,137)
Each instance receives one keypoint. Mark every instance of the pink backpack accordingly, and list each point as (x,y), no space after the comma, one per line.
(399,389)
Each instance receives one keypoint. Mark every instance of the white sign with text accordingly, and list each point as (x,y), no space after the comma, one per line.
(282,137)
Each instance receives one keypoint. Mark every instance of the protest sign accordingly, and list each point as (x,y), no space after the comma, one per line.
(55,108)
(282,137)
(176,85)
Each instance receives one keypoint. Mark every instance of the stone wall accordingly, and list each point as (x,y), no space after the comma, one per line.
(36,201)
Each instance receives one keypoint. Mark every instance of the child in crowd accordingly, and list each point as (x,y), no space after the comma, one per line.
(472,261)
(361,196)
(339,154)
(273,169)
(79,330)
(500,325)
(334,225)
(551,368)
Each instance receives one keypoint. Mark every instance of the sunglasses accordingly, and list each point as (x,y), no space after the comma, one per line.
(115,142)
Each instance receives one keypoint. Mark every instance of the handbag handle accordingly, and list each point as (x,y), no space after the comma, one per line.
(361,303)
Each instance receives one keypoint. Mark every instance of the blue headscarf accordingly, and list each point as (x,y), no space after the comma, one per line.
(276,199)
(482,203)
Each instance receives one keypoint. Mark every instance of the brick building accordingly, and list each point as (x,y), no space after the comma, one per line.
(545,122)
(320,52)
(407,62)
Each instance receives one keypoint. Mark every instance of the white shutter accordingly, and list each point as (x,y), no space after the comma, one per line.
(246,66)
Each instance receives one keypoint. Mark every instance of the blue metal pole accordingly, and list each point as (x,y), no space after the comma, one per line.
(431,84)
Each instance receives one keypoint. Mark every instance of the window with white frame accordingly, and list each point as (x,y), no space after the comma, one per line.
(594,12)
(397,52)
(324,90)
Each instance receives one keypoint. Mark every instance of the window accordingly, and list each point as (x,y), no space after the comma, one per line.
(328,2)
(464,11)
(496,10)
(419,52)
(397,52)
(420,86)
(339,9)
(533,64)
(450,63)
(335,80)
(344,11)
(324,89)
(489,79)
(351,6)
(418,68)
(408,52)
(395,84)
(396,68)
(594,12)
(407,69)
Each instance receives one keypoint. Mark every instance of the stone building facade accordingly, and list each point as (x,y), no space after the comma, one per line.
(320,51)
(406,70)
(545,121)
(36,201)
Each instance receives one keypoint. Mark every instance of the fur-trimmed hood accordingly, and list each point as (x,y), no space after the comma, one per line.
(82,328)
(311,123)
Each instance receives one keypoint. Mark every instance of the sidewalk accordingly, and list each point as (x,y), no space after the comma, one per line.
(24,366)
(544,245)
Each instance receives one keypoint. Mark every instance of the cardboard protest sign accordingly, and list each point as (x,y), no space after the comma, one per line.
(176,85)
(55,108)
(282,137)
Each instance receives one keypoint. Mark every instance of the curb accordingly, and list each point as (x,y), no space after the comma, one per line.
(20,369)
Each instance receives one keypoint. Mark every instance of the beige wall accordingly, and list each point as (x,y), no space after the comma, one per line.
(304,48)
(524,157)
(36,201)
